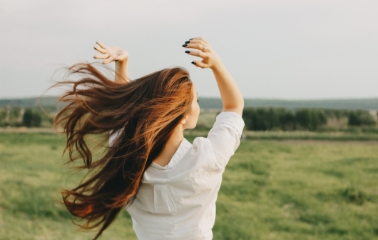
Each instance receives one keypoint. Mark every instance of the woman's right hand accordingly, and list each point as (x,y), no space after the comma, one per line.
(121,58)
(209,57)
(111,54)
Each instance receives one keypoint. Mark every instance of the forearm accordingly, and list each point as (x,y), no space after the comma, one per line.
(121,71)
(231,97)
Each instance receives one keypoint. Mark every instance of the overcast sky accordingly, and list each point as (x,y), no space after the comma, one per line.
(285,49)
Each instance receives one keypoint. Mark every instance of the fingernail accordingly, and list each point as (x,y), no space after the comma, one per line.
(185,45)
(190,39)
(187,51)
(187,41)
(193,63)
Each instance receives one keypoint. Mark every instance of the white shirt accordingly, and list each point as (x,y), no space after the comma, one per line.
(177,201)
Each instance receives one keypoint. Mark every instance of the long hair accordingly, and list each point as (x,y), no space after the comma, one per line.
(141,114)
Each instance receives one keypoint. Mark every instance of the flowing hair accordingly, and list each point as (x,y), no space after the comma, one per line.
(141,115)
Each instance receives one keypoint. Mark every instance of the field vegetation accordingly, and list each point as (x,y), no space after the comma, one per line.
(259,115)
(299,173)
(216,103)
(271,190)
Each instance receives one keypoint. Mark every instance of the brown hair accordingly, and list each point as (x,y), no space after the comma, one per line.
(144,112)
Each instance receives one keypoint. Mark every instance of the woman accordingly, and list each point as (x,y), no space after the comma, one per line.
(168,185)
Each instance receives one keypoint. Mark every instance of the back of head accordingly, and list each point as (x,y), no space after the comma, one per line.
(157,100)
(144,113)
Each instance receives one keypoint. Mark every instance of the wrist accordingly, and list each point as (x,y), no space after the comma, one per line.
(217,67)
(121,64)
(122,56)
(122,61)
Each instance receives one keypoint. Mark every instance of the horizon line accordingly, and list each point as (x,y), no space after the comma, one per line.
(245,98)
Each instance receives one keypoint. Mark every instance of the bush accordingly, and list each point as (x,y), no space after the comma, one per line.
(268,119)
(31,118)
(361,118)
(310,119)
(258,119)
(3,115)
(288,121)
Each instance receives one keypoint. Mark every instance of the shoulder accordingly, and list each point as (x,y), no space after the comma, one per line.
(201,147)
(204,154)
(200,143)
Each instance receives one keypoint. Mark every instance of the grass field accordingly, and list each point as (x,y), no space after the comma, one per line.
(270,190)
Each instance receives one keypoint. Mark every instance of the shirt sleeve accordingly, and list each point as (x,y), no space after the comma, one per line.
(113,135)
(225,136)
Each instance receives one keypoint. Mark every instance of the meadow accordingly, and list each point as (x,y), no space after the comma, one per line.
(271,189)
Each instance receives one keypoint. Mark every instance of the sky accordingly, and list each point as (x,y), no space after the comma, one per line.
(280,49)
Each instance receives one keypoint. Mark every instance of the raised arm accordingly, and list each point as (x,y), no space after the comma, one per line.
(121,58)
(231,97)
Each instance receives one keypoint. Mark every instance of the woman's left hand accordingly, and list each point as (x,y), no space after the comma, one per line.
(111,54)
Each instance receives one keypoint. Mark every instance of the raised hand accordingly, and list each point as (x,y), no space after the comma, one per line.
(110,54)
(209,58)
(231,97)
(121,58)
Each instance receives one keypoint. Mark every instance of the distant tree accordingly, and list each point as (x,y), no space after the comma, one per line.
(262,119)
(14,114)
(31,118)
(265,119)
(258,119)
(27,118)
(360,118)
(248,115)
(3,115)
(287,121)
(310,119)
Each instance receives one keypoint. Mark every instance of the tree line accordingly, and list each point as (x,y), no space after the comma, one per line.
(27,117)
(262,119)
(256,119)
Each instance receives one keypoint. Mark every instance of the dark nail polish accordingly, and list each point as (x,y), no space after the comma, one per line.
(194,63)
(185,45)
(187,51)
(191,39)
(187,41)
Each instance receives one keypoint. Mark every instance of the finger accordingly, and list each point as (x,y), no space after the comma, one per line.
(194,45)
(196,53)
(101,45)
(205,47)
(196,41)
(201,47)
(199,39)
(100,49)
(101,56)
(199,64)
(199,42)
(107,61)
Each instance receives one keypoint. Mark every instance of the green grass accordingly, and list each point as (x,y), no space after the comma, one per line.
(270,190)
(307,135)
(300,135)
